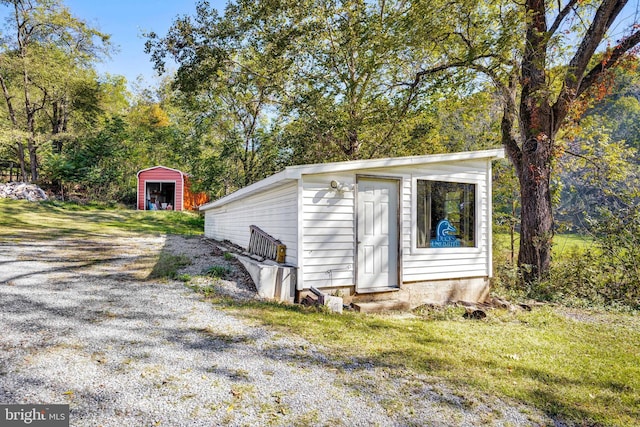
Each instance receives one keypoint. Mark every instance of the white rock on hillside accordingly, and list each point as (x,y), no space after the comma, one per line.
(22,191)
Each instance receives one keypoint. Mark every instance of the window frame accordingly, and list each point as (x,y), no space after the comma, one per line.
(414,215)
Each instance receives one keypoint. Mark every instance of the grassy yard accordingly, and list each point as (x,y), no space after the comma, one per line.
(576,365)
(52,219)
(563,244)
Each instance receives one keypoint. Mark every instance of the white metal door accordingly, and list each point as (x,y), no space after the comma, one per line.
(377,234)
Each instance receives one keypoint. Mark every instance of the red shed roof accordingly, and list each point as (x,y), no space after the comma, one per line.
(160,167)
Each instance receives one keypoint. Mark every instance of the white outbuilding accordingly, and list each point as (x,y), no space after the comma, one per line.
(408,230)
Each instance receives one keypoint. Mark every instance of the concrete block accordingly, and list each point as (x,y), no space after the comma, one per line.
(333,303)
(272,280)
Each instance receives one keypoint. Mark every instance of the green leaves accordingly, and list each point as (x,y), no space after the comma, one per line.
(46,75)
(326,80)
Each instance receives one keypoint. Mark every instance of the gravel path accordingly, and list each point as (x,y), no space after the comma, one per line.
(82,325)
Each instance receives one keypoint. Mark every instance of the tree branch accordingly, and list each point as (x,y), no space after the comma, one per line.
(608,62)
(575,81)
(8,97)
(508,123)
(585,158)
(604,17)
(561,15)
(439,68)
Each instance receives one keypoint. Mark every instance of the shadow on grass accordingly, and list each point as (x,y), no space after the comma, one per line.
(444,350)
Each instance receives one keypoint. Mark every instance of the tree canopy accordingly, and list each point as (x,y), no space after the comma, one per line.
(353,79)
(45,75)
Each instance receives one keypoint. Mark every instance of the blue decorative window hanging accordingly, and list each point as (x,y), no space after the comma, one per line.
(446,214)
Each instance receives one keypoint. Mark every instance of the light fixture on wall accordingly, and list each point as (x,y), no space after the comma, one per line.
(340,187)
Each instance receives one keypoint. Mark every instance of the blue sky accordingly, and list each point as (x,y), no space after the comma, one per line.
(125,21)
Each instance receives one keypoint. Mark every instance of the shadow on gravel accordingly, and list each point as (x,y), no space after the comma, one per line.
(82,324)
(23,260)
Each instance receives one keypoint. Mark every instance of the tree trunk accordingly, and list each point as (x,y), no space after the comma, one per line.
(536,226)
(31,140)
(14,121)
(59,119)
(23,167)
(33,159)
(532,160)
(534,172)
(353,144)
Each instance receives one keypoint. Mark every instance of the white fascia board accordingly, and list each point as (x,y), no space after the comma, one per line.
(398,161)
(296,172)
(160,167)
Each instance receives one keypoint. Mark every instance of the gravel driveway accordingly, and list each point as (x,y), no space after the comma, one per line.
(82,325)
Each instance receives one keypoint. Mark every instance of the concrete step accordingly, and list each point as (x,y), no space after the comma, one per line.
(381,306)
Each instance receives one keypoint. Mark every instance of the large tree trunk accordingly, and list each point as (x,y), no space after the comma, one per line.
(533,167)
(536,224)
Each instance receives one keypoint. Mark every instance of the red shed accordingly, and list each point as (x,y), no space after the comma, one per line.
(162,188)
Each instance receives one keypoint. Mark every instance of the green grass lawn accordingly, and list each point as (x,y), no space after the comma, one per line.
(577,365)
(563,244)
(53,219)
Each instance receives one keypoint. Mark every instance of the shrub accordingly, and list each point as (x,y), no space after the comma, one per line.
(604,275)
(617,235)
(167,266)
(184,278)
(218,271)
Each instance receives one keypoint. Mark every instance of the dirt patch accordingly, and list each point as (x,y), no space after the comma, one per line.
(206,254)
(598,317)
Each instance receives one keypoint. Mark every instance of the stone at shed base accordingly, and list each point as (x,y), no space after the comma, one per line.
(441,292)
(333,303)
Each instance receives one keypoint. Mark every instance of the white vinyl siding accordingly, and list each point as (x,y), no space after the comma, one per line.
(328,242)
(274,210)
(328,238)
(318,224)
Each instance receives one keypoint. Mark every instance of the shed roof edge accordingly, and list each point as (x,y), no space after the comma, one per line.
(158,167)
(296,172)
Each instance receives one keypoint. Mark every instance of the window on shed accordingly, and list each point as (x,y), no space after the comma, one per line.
(446,214)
